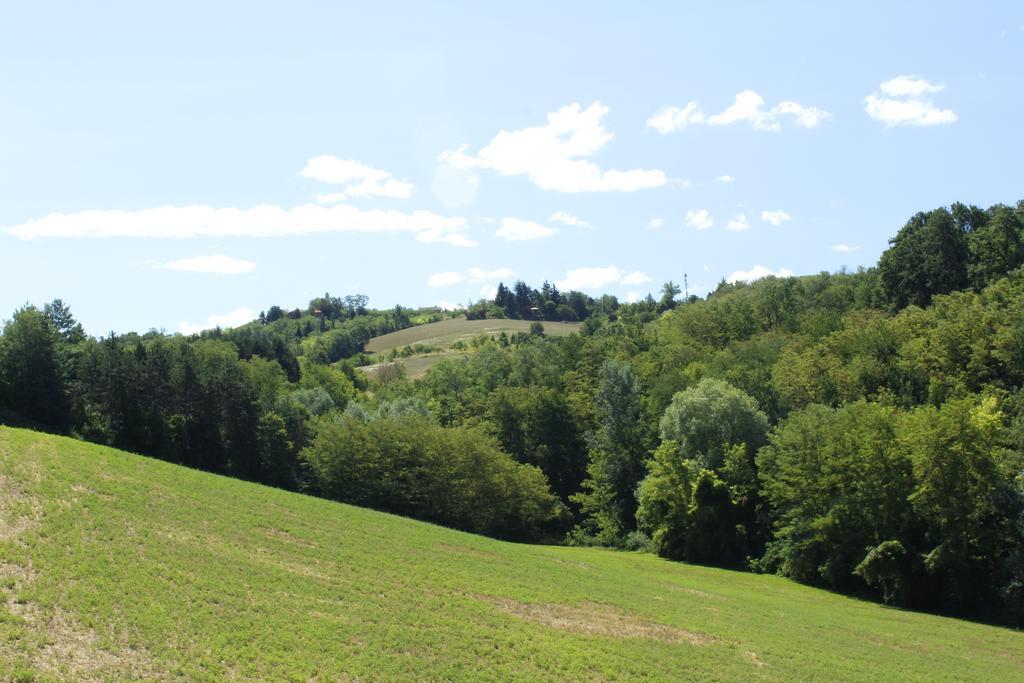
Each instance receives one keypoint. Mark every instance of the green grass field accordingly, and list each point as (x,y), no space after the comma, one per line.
(447,332)
(117,566)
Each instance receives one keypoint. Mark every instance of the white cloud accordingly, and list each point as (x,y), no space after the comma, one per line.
(596,278)
(739,222)
(906,103)
(265,220)
(519,230)
(669,119)
(475,274)
(725,179)
(556,156)
(747,106)
(479,274)
(655,223)
(445,279)
(358,179)
(776,218)
(569,219)
(218,263)
(637,277)
(844,248)
(449,306)
(237,317)
(589,278)
(756,273)
(805,117)
(700,219)
(909,86)
(632,297)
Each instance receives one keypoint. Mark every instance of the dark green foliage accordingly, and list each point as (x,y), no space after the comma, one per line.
(34,381)
(927,257)
(617,455)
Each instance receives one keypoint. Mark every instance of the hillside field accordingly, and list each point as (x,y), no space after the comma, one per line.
(114,566)
(447,332)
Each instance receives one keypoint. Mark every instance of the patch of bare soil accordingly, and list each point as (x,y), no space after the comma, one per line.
(595,619)
(282,535)
(18,511)
(52,641)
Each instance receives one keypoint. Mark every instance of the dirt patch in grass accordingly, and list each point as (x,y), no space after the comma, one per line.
(57,646)
(282,535)
(595,620)
(18,511)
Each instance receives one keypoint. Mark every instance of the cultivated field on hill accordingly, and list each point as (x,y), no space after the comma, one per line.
(115,566)
(440,336)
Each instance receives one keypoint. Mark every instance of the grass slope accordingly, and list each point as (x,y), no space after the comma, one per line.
(113,565)
(445,333)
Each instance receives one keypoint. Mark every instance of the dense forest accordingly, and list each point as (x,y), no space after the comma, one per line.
(862,431)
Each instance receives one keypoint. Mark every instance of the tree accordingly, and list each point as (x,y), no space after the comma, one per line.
(996,248)
(669,292)
(31,369)
(412,466)
(927,257)
(617,456)
(63,322)
(955,450)
(707,419)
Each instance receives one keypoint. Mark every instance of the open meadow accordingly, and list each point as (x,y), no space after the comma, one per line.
(114,566)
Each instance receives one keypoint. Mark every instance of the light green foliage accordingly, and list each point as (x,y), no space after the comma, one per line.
(335,382)
(410,465)
(708,418)
(955,452)
(161,572)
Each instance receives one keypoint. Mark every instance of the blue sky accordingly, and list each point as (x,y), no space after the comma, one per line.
(181,166)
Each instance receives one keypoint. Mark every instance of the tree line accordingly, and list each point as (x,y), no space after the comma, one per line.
(861,431)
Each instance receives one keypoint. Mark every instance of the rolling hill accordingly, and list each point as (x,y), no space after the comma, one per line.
(117,566)
(442,335)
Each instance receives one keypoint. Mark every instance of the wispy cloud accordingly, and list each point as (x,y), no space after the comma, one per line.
(237,317)
(655,223)
(217,263)
(747,107)
(569,219)
(357,179)
(739,222)
(725,179)
(904,102)
(845,248)
(699,218)
(179,222)
(476,274)
(595,278)
(519,230)
(556,156)
(756,273)
(776,218)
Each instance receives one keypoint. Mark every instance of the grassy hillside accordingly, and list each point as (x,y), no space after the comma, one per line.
(114,565)
(447,332)
(441,335)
